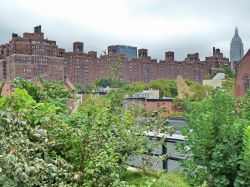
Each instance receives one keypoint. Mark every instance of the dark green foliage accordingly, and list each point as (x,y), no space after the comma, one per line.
(29,135)
(109,82)
(40,145)
(229,73)
(32,89)
(47,92)
(19,100)
(134,87)
(101,141)
(199,91)
(81,88)
(104,82)
(229,85)
(214,143)
(166,87)
(243,178)
(43,150)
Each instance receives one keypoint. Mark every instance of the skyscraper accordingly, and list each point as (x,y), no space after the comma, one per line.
(236,49)
(128,51)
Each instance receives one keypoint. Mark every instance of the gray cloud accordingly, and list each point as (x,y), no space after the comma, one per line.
(215,26)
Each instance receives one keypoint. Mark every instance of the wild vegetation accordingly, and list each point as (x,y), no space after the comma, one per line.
(217,145)
(42,144)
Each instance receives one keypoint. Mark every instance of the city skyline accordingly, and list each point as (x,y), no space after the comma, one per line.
(33,55)
(156,25)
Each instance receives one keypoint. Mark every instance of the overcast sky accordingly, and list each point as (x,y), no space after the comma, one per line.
(182,26)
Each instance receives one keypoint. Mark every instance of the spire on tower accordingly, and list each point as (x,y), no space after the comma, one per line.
(236,31)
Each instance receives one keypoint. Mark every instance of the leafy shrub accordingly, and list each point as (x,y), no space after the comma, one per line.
(243,178)
(53,93)
(214,143)
(101,142)
(25,153)
(40,145)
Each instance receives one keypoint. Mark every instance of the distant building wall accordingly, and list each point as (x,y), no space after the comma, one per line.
(164,106)
(243,76)
(31,67)
(32,56)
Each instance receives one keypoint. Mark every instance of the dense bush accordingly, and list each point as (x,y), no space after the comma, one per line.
(41,145)
(43,91)
(214,142)
(101,142)
(27,144)
(243,177)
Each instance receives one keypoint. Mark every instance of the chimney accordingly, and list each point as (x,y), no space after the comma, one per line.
(143,52)
(14,35)
(78,47)
(213,51)
(38,29)
(217,51)
(169,56)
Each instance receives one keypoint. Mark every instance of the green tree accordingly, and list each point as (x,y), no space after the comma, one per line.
(104,82)
(82,88)
(243,177)
(133,88)
(102,141)
(183,89)
(214,141)
(113,68)
(43,91)
(166,88)
(29,136)
(229,73)
(229,85)
(200,92)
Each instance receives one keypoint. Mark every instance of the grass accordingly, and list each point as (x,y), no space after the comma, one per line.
(160,179)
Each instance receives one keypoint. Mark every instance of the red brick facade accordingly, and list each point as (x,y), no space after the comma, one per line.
(243,76)
(164,106)
(33,56)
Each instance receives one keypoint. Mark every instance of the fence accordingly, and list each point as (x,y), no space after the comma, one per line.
(162,157)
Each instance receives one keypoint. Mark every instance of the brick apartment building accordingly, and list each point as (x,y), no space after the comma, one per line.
(143,68)
(81,67)
(32,56)
(192,68)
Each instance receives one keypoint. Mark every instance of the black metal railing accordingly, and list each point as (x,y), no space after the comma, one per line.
(164,156)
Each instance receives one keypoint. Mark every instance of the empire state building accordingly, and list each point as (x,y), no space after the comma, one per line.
(236,49)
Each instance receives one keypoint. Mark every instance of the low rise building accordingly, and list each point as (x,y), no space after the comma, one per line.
(216,81)
(147,94)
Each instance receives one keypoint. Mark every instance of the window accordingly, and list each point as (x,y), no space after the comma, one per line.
(246,83)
